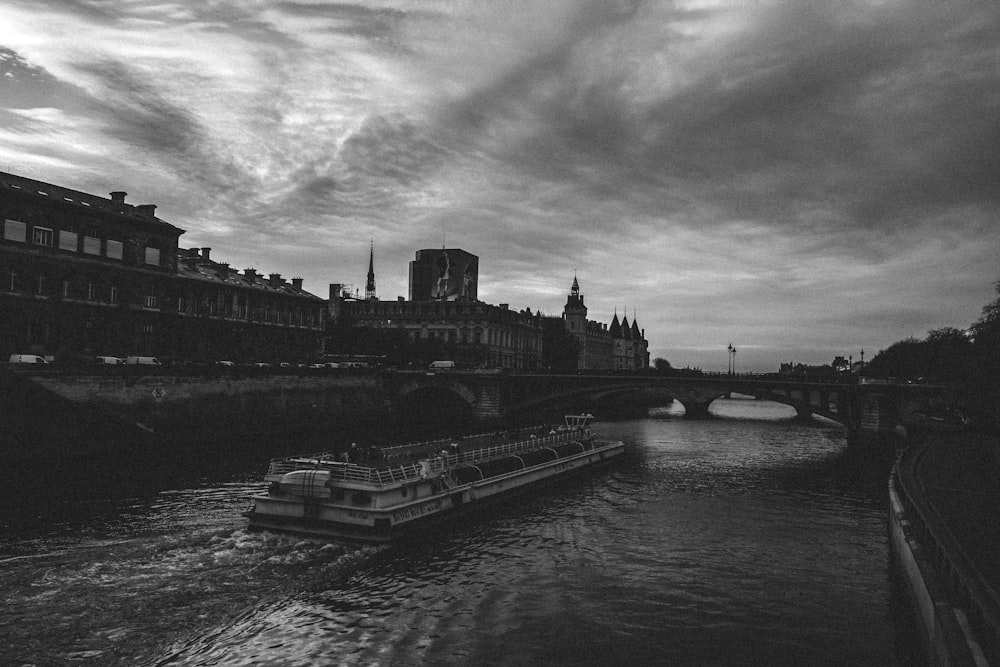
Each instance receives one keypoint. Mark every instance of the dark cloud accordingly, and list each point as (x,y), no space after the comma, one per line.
(24,85)
(378,165)
(139,115)
(876,118)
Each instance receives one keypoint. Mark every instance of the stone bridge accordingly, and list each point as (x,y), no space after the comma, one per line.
(860,405)
(228,405)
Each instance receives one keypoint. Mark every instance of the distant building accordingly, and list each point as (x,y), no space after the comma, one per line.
(839,366)
(444,275)
(622,346)
(82,275)
(441,318)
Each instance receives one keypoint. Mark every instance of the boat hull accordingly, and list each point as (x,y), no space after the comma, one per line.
(321,517)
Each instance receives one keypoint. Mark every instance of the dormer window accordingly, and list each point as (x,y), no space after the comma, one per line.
(153,256)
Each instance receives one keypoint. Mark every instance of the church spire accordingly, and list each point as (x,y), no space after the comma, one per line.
(370,284)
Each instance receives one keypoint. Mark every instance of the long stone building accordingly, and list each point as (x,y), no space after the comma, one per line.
(83,275)
(442,317)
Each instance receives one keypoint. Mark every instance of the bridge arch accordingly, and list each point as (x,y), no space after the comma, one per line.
(422,404)
(456,388)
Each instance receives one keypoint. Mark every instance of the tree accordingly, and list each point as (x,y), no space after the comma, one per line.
(946,354)
(661,365)
(986,330)
(901,359)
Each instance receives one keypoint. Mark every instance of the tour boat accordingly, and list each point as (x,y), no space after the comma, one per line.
(377,494)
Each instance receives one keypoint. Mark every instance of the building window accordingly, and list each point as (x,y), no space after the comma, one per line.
(90,291)
(13,281)
(14,231)
(41,284)
(68,241)
(150,302)
(114,249)
(41,236)
(153,256)
(113,295)
(65,288)
(147,328)
(91,245)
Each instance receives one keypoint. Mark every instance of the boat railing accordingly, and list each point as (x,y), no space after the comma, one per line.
(428,447)
(352,472)
(498,451)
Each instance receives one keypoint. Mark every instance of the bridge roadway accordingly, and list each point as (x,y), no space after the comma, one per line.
(949,485)
(859,405)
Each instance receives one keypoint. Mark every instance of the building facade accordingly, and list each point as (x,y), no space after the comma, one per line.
(442,318)
(471,333)
(620,347)
(82,275)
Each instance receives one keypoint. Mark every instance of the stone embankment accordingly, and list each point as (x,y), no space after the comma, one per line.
(944,521)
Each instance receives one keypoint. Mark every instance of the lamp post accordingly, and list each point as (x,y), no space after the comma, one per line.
(734,361)
(729,368)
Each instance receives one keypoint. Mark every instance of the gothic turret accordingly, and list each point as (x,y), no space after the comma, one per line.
(616,327)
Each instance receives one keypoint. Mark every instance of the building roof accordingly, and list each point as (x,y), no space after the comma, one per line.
(194,264)
(67,197)
(616,328)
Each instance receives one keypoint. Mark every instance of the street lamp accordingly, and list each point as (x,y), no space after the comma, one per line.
(730,366)
(734,361)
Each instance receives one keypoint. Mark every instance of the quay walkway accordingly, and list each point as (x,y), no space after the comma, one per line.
(948,486)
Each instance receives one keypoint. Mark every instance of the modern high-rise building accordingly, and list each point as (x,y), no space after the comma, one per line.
(444,274)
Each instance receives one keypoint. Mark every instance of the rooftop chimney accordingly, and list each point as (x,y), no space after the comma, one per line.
(297,283)
(250,273)
(118,196)
(274,279)
(145,209)
(205,253)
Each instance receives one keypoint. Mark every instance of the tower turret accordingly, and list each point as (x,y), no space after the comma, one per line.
(370,283)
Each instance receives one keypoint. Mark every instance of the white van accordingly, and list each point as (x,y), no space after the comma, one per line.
(438,365)
(111,361)
(143,361)
(26,359)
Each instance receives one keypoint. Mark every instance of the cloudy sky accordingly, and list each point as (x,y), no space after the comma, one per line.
(800,179)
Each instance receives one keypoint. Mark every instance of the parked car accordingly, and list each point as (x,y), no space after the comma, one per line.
(226,363)
(111,361)
(143,361)
(26,359)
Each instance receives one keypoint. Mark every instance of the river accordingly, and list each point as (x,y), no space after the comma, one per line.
(746,539)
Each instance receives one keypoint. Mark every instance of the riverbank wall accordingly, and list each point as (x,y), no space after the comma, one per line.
(54,416)
(945,541)
(944,629)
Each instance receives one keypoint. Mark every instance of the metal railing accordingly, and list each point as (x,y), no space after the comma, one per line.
(432,465)
(965,585)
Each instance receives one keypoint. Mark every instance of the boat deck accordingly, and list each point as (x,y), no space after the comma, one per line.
(424,460)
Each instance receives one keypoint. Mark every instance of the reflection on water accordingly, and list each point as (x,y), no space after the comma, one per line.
(745,539)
